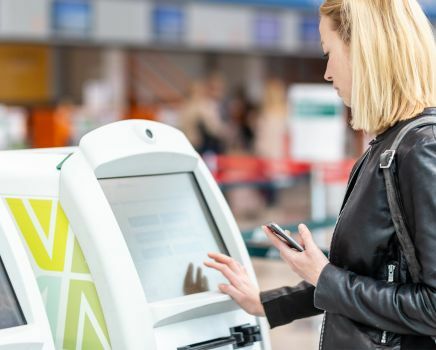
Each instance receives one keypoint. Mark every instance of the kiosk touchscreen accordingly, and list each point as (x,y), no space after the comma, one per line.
(168,228)
(114,234)
(11,314)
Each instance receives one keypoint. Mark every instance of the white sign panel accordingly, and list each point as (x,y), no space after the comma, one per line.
(219,26)
(24,18)
(291,27)
(126,21)
(317,123)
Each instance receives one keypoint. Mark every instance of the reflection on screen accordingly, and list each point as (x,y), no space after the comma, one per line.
(10,311)
(169,230)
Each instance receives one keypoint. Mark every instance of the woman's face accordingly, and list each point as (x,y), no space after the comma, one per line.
(338,69)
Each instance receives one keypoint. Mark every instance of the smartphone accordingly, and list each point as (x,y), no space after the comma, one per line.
(279,232)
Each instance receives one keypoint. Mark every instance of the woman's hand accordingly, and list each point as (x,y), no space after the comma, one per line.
(307,264)
(240,289)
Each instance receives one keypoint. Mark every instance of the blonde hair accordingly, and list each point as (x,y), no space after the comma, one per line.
(393,57)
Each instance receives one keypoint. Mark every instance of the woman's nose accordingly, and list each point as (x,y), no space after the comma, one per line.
(328,76)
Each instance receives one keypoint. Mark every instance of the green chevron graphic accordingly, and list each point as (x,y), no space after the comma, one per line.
(82,319)
(65,282)
(50,288)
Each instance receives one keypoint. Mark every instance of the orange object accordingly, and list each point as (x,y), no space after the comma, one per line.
(142,112)
(50,127)
(25,74)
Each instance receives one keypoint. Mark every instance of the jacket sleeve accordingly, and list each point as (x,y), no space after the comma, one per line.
(401,308)
(286,304)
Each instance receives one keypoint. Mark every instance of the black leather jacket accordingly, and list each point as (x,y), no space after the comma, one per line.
(366,290)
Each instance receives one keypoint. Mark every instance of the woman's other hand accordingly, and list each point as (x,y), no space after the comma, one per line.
(240,289)
(307,264)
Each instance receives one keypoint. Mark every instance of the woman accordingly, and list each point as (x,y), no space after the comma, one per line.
(272,122)
(381,60)
(201,122)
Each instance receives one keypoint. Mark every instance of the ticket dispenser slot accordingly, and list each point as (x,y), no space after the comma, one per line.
(240,337)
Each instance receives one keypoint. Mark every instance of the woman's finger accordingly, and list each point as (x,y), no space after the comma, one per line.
(226,271)
(277,242)
(289,255)
(306,235)
(297,237)
(225,259)
(233,292)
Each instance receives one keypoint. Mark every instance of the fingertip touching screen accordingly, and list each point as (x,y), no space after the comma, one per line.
(169,230)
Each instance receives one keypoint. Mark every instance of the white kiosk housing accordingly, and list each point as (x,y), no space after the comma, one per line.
(116,232)
(23,321)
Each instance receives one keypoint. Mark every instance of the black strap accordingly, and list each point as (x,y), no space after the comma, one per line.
(394,200)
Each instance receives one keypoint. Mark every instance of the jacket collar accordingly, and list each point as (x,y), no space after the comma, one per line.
(400,124)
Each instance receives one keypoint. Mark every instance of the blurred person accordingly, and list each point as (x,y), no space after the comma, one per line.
(216,88)
(242,120)
(201,122)
(247,202)
(272,123)
(231,110)
(381,60)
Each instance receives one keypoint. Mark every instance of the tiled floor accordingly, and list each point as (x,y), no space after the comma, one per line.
(299,335)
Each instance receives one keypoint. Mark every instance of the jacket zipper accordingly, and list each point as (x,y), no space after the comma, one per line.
(322,331)
(391,274)
(359,168)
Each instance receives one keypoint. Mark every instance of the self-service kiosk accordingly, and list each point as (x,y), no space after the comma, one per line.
(116,232)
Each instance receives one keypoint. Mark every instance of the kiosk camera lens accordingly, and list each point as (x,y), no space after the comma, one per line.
(149,133)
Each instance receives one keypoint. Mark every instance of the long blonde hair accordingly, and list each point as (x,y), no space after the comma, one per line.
(393,57)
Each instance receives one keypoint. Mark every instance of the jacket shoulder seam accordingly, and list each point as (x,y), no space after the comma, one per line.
(420,143)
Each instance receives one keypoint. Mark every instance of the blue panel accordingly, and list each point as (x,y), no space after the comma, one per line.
(267,30)
(429,7)
(168,23)
(72,17)
(309,30)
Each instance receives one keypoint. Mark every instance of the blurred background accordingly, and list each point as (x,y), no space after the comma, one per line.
(243,79)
